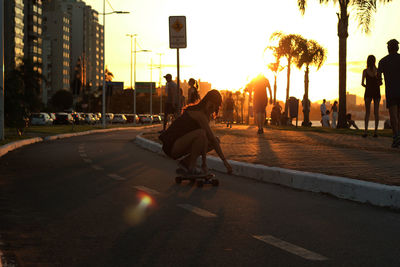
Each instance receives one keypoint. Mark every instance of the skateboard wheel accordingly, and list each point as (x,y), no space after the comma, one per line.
(215,182)
(178,180)
(200,183)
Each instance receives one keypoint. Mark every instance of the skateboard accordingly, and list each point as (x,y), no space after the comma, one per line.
(200,180)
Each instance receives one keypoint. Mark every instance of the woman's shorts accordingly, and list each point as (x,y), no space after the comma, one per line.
(259,109)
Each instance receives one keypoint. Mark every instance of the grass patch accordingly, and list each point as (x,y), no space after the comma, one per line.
(43,131)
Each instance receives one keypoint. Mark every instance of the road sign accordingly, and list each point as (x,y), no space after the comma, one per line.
(144,87)
(177,32)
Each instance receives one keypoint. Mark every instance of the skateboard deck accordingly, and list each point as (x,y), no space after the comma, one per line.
(199,180)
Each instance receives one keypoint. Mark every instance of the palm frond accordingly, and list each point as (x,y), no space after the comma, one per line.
(364,11)
(302,5)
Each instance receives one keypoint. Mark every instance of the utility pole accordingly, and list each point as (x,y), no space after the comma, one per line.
(151,88)
(159,83)
(131,36)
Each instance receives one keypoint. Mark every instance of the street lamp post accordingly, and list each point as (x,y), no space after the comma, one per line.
(159,83)
(103,113)
(134,70)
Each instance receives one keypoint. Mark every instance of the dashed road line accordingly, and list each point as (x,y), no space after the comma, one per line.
(116,177)
(147,190)
(198,211)
(97,167)
(291,248)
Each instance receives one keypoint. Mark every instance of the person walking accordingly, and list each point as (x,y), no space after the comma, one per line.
(229,108)
(323,108)
(190,136)
(334,111)
(260,99)
(389,66)
(372,92)
(193,93)
(172,99)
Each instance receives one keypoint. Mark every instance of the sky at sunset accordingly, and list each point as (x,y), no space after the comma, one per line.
(226,41)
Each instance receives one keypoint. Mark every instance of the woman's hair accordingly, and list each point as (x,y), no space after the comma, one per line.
(371,62)
(192,82)
(211,96)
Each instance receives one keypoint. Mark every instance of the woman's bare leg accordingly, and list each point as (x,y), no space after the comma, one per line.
(192,144)
(376,115)
(367,112)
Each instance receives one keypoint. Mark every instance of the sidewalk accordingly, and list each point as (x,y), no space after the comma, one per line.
(369,159)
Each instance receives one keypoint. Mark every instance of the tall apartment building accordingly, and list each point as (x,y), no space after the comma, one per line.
(73,46)
(56,49)
(87,43)
(94,45)
(33,32)
(13,33)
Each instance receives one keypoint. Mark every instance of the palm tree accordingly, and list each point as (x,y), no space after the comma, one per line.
(288,47)
(313,54)
(275,68)
(364,10)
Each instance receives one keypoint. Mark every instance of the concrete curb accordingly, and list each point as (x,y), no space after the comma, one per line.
(341,187)
(4,149)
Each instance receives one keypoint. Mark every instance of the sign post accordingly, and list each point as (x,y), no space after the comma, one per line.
(177,39)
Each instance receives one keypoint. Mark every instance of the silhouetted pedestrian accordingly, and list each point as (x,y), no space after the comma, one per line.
(260,100)
(229,108)
(372,92)
(389,66)
(325,119)
(193,93)
(334,111)
(172,99)
(276,114)
(350,121)
(323,108)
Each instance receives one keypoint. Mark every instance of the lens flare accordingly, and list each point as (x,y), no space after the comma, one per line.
(137,214)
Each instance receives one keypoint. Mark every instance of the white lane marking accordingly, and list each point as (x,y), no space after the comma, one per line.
(87,160)
(291,248)
(116,177)
(147,190)
(83,155)
(97,167)
(197,211)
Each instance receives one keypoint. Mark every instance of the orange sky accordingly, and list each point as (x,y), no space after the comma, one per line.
(226,41)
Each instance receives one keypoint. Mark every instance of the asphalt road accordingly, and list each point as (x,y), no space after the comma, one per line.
(99,200)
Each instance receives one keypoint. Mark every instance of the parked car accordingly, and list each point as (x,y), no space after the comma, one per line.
(156,119)
(109,117)
(41,119)
(119,118)
(52,116)
(131,118)
(145,118)
(90,118)
(63,118)
(78,118)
